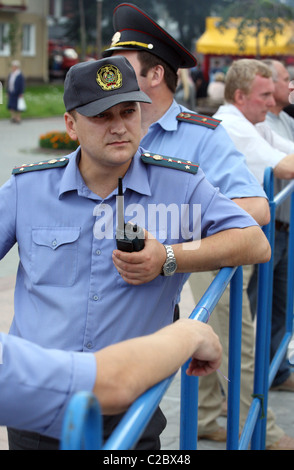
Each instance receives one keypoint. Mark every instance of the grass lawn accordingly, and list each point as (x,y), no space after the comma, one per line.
(42,101)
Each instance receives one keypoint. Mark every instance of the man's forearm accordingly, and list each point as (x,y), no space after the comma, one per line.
(285,168)
(257,207)
(125,370)
(234,247)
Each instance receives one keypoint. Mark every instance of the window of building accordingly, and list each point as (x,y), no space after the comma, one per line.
(60,8)
(4,43)
(28,40)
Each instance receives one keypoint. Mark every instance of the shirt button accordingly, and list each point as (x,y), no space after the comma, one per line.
(98,252)
(89,345)
(54,243)
(96,297)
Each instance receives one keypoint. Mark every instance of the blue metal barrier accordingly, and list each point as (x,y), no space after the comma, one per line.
(82,427)
(129,430)
(189,388)
(264,371)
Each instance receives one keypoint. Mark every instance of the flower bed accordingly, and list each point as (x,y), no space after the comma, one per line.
(57,140)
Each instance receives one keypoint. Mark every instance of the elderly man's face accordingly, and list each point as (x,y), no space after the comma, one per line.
(282,86)
(259,100)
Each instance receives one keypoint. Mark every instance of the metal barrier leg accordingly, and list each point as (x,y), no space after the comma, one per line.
(235,339)
(263,327)
(82,427)
(189,410)
(290,297)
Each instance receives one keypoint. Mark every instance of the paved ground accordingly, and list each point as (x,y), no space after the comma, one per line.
(19,144)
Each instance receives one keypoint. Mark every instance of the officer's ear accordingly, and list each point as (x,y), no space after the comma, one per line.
(156,74)
(70,123)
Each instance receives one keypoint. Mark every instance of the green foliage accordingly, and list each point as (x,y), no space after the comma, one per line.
(268,16)
(188,15)
(42,101)
(14,36)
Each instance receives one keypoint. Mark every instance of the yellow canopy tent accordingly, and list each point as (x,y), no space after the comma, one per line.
(214,42)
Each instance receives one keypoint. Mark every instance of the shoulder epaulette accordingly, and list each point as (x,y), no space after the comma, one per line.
(44,165)
(201,120)
(168,162)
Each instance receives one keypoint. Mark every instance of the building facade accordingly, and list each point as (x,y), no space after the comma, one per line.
(23,36)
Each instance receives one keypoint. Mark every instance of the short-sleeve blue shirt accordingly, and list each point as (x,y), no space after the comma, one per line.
(224,166)
(68,293)
(37,384)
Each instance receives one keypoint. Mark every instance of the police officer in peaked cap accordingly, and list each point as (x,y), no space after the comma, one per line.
(135,30)
(172,129)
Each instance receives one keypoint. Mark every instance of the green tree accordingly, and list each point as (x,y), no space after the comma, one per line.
(81,30)
(188,17)
(14,37)
(267,16)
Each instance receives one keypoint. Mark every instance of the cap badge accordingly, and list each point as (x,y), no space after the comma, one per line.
(115,38)
(109,77)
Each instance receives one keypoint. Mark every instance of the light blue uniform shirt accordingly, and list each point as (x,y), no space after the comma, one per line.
(68,293)
(224,166)
(36,384)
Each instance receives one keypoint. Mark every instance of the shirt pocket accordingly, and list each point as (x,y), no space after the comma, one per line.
(54,258)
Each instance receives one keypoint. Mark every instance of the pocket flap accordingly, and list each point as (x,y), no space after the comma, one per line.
(55,237)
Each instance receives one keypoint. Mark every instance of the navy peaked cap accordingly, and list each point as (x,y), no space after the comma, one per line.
(135,30)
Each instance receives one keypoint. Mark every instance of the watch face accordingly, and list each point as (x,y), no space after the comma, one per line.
(170,267)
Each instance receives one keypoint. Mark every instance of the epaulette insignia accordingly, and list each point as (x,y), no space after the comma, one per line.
(44,165)
(199,119)
(168,162)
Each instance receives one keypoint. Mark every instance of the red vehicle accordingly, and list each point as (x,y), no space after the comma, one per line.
(61,58)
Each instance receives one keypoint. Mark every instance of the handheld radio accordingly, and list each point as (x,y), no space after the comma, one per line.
(129,237)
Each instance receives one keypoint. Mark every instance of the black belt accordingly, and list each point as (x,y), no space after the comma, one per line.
(282,226)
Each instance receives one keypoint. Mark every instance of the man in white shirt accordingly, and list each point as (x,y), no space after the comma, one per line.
(248,97)
(247,104)
(283,124)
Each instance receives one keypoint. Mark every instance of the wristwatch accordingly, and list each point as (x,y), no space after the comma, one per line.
(170,265)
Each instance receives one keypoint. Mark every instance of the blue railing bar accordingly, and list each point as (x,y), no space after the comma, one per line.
(269,375)
(248,429)
(263,320)
(268,315)
(290,279)
(135,420)
(265,317)
(210,298)
(82,426)
(284,193)
(235,341)
(127,432)
(278,357)
(261,345)
(189,410)
(189,388)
